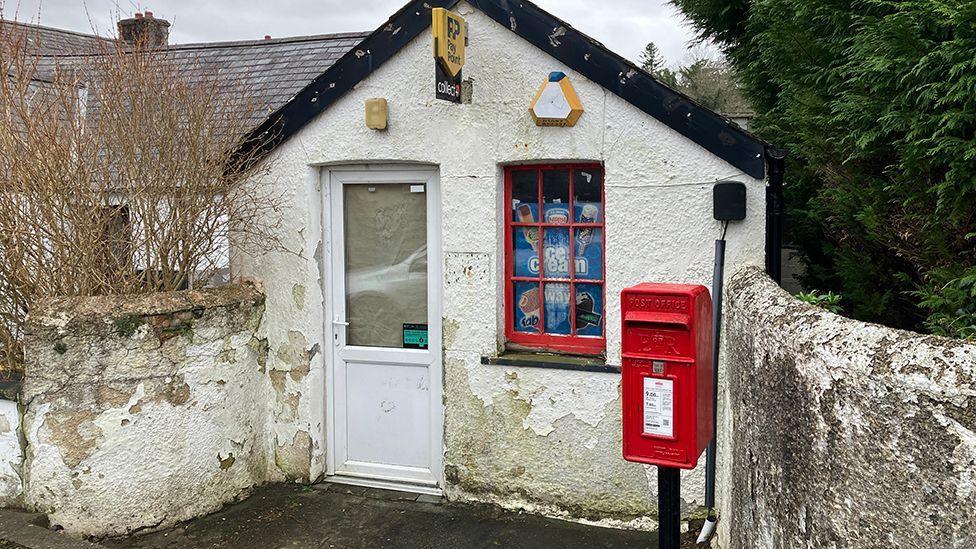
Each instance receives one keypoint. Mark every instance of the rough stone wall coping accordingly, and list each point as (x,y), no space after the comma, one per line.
(63,312)
(950,363)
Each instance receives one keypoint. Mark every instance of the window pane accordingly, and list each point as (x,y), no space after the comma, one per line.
(557,308)
(527,307)
(525,256)
(589,253)
(589,310)
(525,196)
(588,196)
(555,196)
(555,252)
(386,262)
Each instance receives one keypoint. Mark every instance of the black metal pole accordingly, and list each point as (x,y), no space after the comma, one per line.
(718,280)
(776,160)
(669,507)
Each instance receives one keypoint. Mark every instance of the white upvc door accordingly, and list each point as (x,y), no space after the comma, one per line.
(384,383)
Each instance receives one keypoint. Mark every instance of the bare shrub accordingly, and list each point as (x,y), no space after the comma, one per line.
(120,173)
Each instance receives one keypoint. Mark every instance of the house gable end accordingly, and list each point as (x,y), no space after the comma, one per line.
(586,56)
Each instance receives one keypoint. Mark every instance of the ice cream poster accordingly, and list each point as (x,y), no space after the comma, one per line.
(588,244)
(587,306)
(526,241)
(527,307)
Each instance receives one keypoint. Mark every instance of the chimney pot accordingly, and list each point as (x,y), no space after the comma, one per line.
(145,31)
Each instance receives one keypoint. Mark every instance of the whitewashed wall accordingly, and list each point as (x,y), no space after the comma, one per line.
(144,411)
(11,455)
(549,439)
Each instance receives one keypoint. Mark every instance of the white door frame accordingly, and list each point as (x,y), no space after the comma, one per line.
(332,179)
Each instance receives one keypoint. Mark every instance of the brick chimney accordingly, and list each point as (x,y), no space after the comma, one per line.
(145,30)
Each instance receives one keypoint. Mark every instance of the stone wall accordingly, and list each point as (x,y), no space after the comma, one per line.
(844,434)
(144,411)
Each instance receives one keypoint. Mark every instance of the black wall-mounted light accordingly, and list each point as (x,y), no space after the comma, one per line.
(729,201)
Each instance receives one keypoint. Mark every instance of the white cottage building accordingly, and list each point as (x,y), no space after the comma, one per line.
(451,321)
(448,318)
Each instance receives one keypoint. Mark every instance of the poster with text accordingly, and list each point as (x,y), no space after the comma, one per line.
(589,310)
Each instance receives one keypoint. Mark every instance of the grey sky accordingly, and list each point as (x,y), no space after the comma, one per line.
(622,25)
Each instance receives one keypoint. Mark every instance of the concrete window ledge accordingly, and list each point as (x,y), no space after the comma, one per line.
(551,361)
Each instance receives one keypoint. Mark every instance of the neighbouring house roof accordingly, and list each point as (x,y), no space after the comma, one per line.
(273,71)
(270,72)
(292,80)
(51,41)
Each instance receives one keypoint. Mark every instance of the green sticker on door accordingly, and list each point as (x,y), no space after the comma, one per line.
(415,336)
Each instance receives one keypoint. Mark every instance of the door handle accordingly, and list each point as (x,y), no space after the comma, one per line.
(336,322)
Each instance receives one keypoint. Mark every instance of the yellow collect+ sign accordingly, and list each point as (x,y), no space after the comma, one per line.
(450,37)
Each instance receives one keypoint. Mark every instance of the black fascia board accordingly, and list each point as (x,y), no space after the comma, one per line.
(557,38)
(593,60)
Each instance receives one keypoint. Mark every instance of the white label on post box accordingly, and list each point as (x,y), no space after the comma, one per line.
(659,407)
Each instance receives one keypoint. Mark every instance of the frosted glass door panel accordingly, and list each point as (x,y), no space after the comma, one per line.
(386,262)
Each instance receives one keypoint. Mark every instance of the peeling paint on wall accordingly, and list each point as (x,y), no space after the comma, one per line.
(134,427)
(471,269)
(11,455)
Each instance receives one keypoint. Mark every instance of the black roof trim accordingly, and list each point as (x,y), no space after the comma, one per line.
(583,54)
(351,69)
(593,60)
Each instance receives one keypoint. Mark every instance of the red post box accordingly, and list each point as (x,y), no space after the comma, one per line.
(667,374)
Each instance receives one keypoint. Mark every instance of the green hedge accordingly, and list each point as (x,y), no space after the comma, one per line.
(876,102)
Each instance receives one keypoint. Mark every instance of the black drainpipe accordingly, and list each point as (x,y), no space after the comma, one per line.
(775,159)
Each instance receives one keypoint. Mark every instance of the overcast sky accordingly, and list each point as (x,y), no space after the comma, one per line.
(622,25)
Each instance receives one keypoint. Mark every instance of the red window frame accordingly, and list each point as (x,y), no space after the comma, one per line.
(585,345)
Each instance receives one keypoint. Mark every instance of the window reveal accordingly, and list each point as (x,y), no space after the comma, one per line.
(554,258)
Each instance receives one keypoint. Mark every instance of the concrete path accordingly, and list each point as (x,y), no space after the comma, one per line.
(20,530)
(341,517)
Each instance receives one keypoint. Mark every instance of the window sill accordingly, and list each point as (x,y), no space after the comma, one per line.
(554,362)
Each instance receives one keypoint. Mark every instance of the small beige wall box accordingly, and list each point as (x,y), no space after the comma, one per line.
(377,114)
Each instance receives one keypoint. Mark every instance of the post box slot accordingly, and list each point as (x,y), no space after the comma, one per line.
(645,317)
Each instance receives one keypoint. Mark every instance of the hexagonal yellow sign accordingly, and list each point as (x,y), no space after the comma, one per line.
(556,104)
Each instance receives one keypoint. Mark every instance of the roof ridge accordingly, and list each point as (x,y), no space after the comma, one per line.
(271,41)
(230,44)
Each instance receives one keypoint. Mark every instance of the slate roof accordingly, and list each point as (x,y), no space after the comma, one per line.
(271,71)
(51,41)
